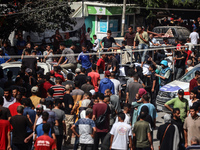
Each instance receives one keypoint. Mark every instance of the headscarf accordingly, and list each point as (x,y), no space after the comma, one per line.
(142,92)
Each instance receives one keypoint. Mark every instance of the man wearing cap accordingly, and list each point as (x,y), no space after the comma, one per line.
(70,61)
(34,98)
(168,135)
(106,83)
(179,102)
(88,85)
(19,124)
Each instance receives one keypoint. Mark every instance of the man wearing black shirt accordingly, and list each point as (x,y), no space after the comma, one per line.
(81,77)
(114,63)
(69,119)
(19,124)
(180,63)
(30,62)
(108,41)
(177,121)
(154,84)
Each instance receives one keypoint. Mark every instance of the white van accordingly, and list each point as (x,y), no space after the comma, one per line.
(170,90)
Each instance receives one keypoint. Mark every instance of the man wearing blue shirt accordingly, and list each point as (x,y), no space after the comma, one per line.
(106,83)
(2,58)
(84,59)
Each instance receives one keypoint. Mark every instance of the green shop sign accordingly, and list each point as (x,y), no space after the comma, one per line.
(98,10)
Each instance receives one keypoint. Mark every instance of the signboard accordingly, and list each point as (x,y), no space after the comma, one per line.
(96,10)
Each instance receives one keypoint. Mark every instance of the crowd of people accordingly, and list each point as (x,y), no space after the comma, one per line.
(44,110)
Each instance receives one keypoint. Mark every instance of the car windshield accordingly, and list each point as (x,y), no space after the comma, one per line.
(190,75)
(15,71)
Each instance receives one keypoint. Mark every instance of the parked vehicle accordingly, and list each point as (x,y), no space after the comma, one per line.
(180,33)
(170,90)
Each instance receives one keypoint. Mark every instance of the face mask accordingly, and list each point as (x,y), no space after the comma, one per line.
(186,49)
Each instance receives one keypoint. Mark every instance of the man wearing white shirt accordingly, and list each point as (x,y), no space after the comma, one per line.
(121,134)
(7,98)
(117,84)
(194,37)
(96,43)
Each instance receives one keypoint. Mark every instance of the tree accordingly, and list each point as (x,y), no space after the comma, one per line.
(34,15)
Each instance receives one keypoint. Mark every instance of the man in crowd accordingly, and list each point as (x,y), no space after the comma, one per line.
(34,98)
(5,111)
(191,126)
(88,85)
(116,83)
(179,102)
(106,83)
(129,37)
(7,98)
(95,77)
(193,82)
(59,89)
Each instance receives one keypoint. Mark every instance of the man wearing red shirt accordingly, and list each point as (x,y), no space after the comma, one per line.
(5,128)
(95,77)
(101,63)
(188,52)
(46,85)
(13,107)
(44,142)
(193,82)
(58,73)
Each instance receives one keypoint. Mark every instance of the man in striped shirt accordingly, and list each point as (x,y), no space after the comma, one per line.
(59,90)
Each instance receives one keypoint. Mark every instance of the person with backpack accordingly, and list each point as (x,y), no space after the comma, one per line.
(101,112)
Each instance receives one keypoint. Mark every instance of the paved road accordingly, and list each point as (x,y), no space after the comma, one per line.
(155,141)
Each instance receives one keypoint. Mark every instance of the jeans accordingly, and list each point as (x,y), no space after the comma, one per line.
(87,146)
(76,140)
(179,72)
(142,55)
(98,136)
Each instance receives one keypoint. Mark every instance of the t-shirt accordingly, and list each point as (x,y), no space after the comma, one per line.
(60,116)
(71,59)
(9,102)
(68,100)
(19,124)
(30,63)
(5,113)
(5,127)
(85,126)
(59,91)
(44,142)
(101,64)
(154,78)
(60,76)
(77,95)
(121,132)
(130,38)
(85,60)
(95,77)
(182,105)
(117,86)
(32,114)
(46,86)
(193,128)
(114,100)
(49,57)
(13,108)
(194,36)
(100,109)
(181,63)
(193,83)
(35,100)
(126,120)
(144,35)
(108,42)
(87,87)
(39,130)
(141,130)
(96,43)
(152,110)
(132,89)
(115,63)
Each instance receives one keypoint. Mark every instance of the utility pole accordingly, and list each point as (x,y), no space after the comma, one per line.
(123,17)
(83,8)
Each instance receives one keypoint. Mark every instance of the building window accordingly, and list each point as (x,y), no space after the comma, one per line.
(115,23)
(102,23)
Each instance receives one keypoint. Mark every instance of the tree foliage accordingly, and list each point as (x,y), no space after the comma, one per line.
(34,15)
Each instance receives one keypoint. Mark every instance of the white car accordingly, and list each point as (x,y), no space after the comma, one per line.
(170,90)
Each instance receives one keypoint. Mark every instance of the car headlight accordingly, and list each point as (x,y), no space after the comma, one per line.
(172,94)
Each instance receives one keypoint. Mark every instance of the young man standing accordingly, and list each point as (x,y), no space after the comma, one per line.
(87,130)
(121,134)
(193,82)
(8,99)
(191,126)
(106,83)
(47,142)
(142,134)
(101,64)
(95,77)
(129,37)
(108,41)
